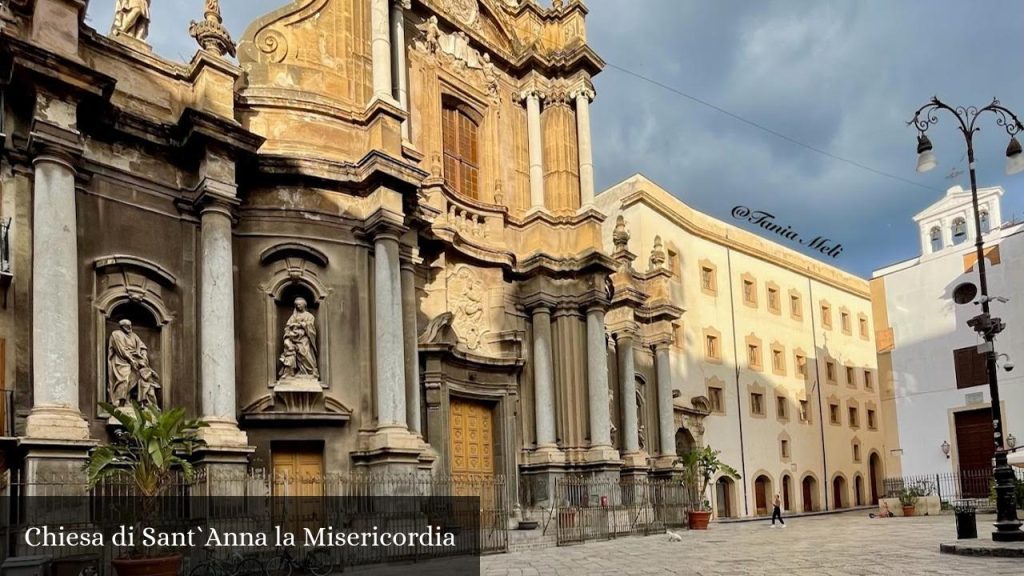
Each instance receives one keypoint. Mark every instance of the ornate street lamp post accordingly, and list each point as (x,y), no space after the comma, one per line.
(1007,524)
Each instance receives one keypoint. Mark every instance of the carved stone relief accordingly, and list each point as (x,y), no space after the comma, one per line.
(453,50)
(466,300)
(466,11)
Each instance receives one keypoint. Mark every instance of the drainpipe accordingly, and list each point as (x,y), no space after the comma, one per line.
(817,384)
(739,397)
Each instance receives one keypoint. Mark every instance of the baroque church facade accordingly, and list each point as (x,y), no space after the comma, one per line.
(368,241)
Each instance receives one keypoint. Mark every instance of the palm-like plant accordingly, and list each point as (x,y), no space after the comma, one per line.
(699,467)
(149,451)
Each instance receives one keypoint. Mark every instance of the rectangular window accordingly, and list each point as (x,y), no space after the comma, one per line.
(707,279)
(851,376)
(711,347)
(854,418)
(757,404)
(778,361)
(844,319)
(801,366)
(863,327)
(773,299)
(826,316)
(715,399)
(856,452)
(678,336)
(871,420)
(796,309)
(781,409)
(748,292)
(833,413)
(805,415)
(754,356)
(970,367)
(830,371)
(785,448)
(461,151)
(869,382)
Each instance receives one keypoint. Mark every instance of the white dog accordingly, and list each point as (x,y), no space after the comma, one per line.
(674,537)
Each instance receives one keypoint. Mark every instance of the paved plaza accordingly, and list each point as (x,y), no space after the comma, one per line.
(832,545)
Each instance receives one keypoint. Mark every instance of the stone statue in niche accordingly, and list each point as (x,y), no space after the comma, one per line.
(299,358)
(129,375)
(466,295)
(131,18)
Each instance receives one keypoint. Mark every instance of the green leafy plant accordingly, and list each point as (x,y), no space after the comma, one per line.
(699,467)
(909,495)
(150,452)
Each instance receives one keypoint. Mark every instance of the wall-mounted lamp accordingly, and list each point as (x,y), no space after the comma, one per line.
(945,448)
(1011,441)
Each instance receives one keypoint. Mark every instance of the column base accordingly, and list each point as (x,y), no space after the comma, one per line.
(224,470)
(394,450)
(224,434)
(603,454)
(545,455)
(665,463)
(635,461)
(56,423)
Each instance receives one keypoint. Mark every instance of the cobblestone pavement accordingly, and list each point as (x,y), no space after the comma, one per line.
(833,545)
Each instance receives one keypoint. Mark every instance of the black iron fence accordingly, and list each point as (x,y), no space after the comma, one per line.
(949,486)
(259,501)
(588,509)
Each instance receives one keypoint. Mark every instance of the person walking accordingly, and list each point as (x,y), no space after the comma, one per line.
(777,512)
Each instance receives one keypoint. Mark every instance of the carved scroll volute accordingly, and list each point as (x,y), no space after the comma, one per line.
(269,38)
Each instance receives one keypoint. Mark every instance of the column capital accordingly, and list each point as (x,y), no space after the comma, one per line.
(386,224)
(532,92)
(401,4)
(211,199)
(584,91)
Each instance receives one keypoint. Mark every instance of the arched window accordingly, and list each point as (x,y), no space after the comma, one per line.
(460,132)
(936,238)
(959,230)
(985,224)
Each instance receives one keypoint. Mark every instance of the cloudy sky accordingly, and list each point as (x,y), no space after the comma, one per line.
(839,76)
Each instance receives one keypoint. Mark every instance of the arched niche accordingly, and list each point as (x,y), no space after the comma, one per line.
(293,274)
(134,289)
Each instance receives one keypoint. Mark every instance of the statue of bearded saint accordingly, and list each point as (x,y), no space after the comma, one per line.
(129,376)
(299,357)
(131,18)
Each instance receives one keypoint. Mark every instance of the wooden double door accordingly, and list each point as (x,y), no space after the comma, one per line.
(975,448)
(471,439)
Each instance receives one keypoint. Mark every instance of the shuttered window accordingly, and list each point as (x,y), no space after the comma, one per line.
(970,367)
(461,152)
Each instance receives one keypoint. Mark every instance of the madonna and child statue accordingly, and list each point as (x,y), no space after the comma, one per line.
(298,360)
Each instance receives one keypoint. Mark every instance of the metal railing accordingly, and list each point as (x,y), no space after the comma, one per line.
(948,486)
(590,509)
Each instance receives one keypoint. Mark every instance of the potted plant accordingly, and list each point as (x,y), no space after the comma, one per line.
(908,499)
(699,467)
(149,451)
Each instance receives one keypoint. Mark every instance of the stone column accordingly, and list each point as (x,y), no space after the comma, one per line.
(401,74)
(627,395)
(536,144)
(583,98)
(380,49)
(55,413)
(389,349)
(543,379)
(597,380)
(217,326)
(411,349)
(666,432)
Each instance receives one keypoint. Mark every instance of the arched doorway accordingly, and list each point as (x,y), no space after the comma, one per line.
(809,494)
(724,498)
(839,499)
(684,442)
(762,495)
(858,491)
(876,479)
(786,491)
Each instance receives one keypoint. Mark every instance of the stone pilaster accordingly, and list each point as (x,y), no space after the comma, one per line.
(380,49)
(536,144)
(55,412)
(666,422)
(597,384)
(401,73)
(217,323)
(586,155)
(411,348)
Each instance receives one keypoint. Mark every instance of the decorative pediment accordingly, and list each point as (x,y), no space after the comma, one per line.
(480,18)
(304,406)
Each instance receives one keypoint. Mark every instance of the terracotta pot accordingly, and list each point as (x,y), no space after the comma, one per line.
(909,510)
(161,566)
(698,519)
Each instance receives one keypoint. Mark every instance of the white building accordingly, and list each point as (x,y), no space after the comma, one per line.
(936,379)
